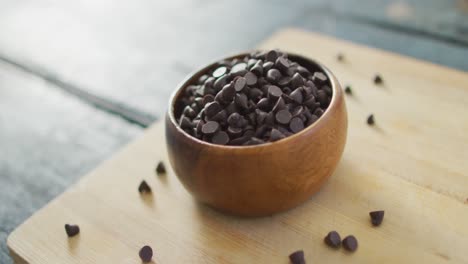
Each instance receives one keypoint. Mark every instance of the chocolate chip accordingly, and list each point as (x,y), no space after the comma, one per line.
(219,72)
(255,93)
(207,99)
(322,98)
(72,230)
(378,79)
(251,63)
(220,82)
(303,71)
(239,69)
(297,257)
(274,92)
(333,239)
(234,131)
(263,104)
(297,80)
(327,90)
(241,101)
(271,55)
(296,124)
(257,69)
(261,116)
(377,217)
(318,112)
(239,84)
(273,75)
(283,117)
(312,120)
(210,128)
(161,169)
(267,66)
(279,105)
(228,93)
(319,77)
(144,187)
(254,141)
(220,138)
(251,79)
(350,243)
(185,123)
(234,119)
(275,135)
(284,81)
(146,254)
(348,90)
(370,120)
(261,130)
(282,64)
(296,96)
(340,57)
(221,117)
(211,109)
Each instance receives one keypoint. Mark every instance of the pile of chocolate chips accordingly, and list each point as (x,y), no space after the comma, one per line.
(262,97)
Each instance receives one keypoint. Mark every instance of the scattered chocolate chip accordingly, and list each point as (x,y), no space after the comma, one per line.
(370,120)
(333,239)
(350,243)
(348,90)
(296,96)
(340,57)
(144,187)
(378,79)
(161,169)
(72,230)
(146,254)
(377,217)
(297,257)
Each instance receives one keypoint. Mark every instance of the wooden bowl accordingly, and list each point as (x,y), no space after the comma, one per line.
(262,179)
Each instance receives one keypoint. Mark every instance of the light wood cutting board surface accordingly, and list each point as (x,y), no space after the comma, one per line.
(413,164)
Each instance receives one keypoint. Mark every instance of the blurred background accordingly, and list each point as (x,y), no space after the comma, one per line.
(79,79)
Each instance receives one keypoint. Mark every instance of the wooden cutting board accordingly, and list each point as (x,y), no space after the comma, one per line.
(413,164)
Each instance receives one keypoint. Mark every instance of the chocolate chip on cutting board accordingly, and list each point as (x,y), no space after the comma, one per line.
(72,230)
(333,239)
(377,217)
(144,187)
(146,254)
(297,257)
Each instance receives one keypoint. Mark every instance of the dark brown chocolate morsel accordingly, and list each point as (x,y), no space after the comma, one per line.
(350,243)
(283,117)
(333,239)
(377,217)
(297,257)
(146,254)
(160,168)
(72,230)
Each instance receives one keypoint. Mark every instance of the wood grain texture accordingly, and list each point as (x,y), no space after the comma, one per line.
(411,164)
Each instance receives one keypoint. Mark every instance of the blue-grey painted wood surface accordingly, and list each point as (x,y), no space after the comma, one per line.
(52,53)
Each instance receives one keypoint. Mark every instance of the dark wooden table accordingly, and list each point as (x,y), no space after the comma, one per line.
(80,79)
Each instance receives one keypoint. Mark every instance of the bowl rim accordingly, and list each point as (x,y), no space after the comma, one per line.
(186,81)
